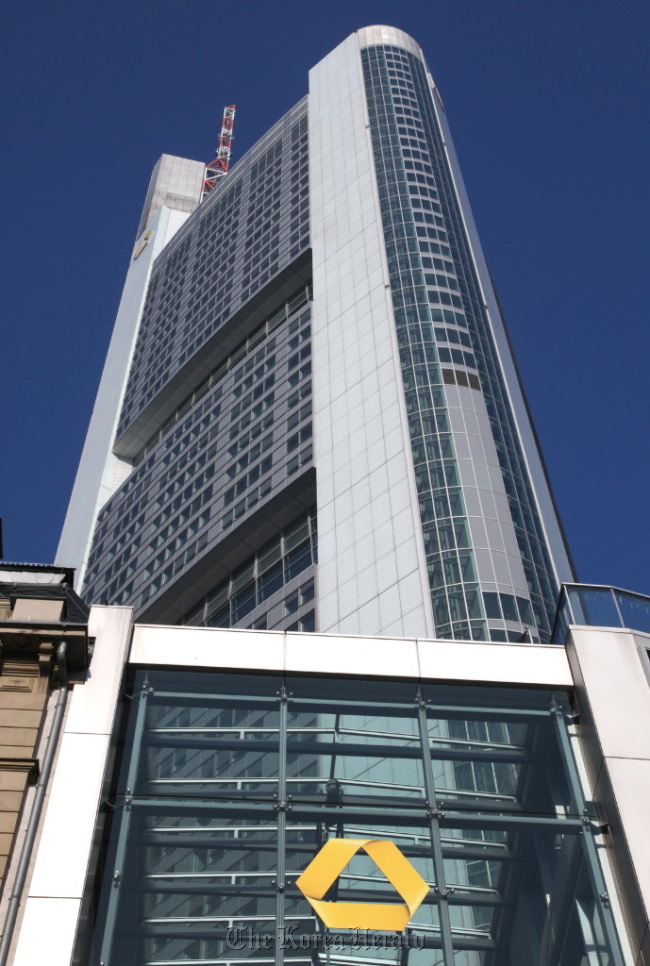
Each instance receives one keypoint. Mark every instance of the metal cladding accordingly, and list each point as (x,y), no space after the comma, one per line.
(320,424)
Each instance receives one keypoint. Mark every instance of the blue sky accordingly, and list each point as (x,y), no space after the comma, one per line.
(547,101)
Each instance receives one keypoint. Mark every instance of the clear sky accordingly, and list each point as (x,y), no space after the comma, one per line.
(548,105)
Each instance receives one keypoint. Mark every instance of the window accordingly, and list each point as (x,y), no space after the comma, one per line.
(213,760)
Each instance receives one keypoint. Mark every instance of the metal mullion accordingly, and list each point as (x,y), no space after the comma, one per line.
(398,709)
(193,697)
(195,841)
(617,606)
(125,824)
(436,838)
(282,828)
(506,822)
(464,713)
(588,830)
(176,888)
(471,852)
(166,806)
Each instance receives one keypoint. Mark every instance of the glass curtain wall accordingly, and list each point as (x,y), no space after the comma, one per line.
(439,316)
(231,784)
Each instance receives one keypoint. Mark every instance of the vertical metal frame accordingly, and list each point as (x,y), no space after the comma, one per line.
(281,807)
(433,815)
(589,829)
(125,825)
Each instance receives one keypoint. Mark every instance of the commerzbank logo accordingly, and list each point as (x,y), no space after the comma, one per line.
(323,871)
(143,244)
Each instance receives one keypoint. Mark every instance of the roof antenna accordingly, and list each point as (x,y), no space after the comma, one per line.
(218,168)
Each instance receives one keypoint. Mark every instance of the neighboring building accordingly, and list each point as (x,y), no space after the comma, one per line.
(43,642)
(316,353)
(39,612)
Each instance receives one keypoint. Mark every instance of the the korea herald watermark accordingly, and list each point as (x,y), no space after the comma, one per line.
(288,937)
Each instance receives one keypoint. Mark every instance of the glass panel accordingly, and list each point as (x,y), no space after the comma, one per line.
(492,606)
(189,880)
(594,606)
(210,741)
(509,607)
(347,743)
(270,581)
(484,887)
(635,611)
(297,560)
(482,756)
(525,611)
(221,618)
(243,603)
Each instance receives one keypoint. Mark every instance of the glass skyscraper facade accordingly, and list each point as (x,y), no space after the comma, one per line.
(312,489)
(316,347)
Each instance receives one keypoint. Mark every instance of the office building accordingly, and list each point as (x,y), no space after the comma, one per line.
(312,481)
(316,348)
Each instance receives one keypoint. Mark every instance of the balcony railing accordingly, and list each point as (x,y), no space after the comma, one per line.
(599,606)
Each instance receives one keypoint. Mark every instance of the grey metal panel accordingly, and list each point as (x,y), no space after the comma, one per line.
(367,503)
(613,697)
(427,660)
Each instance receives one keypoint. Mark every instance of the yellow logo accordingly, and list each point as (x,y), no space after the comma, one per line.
(325,868)
(143,244)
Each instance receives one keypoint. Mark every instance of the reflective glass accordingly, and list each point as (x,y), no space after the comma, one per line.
(231,785)
(635,611)
(206,742)
(342,748)
(481,756)
(593,605)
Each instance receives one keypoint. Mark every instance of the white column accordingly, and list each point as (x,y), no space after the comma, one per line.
(372,569)
(48,928)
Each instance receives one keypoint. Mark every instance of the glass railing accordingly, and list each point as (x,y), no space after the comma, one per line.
(600,606)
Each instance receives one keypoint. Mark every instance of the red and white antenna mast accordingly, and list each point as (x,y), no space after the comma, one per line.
(216,170)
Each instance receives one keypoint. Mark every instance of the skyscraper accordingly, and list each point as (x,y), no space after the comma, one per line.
(310,420)
(310,415)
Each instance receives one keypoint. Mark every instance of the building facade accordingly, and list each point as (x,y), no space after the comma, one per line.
(202,770)
(324,562)
(43,644)
(310,416)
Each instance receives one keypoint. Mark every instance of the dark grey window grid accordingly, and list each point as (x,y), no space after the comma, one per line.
(264,581)
(202,278)
(180,517)
(432,179)
(246,346)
